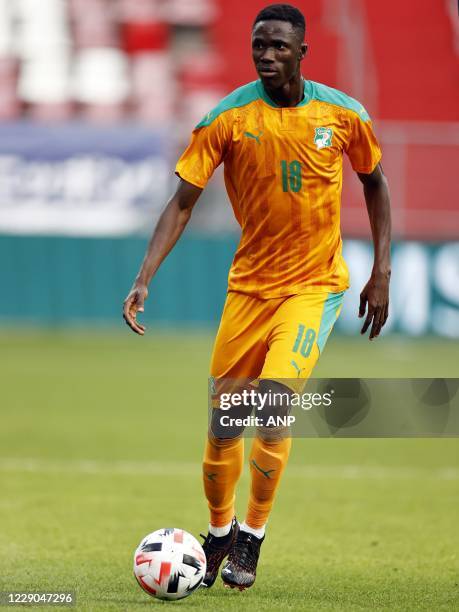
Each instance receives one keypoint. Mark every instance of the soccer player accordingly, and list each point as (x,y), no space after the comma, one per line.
(281,139)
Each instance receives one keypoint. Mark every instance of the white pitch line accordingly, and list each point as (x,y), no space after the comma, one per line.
(90,466)
(171,468)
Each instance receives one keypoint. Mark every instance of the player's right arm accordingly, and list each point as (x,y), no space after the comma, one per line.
(170,226)
(207,148)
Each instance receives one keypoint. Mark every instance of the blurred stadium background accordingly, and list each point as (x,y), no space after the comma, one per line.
(97,100)
(101,431)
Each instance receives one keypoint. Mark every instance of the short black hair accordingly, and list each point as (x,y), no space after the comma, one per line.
(283,12)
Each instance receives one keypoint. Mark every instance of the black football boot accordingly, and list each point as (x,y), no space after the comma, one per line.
(240,569)
(216,549)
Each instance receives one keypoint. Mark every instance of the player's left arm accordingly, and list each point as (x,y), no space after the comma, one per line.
(375,294)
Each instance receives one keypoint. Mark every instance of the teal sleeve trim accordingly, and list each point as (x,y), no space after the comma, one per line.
(329,314)
(254,91)
(338,98)
(239,97)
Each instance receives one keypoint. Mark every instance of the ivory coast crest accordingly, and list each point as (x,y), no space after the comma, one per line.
(323,137)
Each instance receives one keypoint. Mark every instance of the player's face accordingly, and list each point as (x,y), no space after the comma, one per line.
(277,52)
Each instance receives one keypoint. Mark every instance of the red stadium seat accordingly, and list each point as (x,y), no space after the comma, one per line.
(418,71)
(139,37)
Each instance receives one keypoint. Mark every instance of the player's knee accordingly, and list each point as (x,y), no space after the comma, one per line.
(221,441)
(221,433)
(229,423)
(273,435)
(274,412)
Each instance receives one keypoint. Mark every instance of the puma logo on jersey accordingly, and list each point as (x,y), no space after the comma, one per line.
(255,137)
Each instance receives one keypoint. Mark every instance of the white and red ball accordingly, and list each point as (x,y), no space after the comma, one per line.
(169,564)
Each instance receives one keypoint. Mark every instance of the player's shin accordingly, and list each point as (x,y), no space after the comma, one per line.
(269,455)
(222,467)
(268,458)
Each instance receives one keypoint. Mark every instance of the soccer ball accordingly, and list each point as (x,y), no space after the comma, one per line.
(169,564)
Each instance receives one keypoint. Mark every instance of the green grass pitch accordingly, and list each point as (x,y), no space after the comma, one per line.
(101,441)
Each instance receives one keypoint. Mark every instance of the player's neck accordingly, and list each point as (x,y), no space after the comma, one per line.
(290,94)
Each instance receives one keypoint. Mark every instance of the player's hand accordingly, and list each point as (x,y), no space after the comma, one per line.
(133,304)
(375,295)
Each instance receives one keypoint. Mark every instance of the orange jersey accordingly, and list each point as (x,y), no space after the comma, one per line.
(283,173)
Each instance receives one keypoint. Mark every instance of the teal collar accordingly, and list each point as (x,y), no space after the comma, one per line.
(264,96)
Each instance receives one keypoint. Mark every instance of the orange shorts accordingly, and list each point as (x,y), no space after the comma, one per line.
(279,338)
